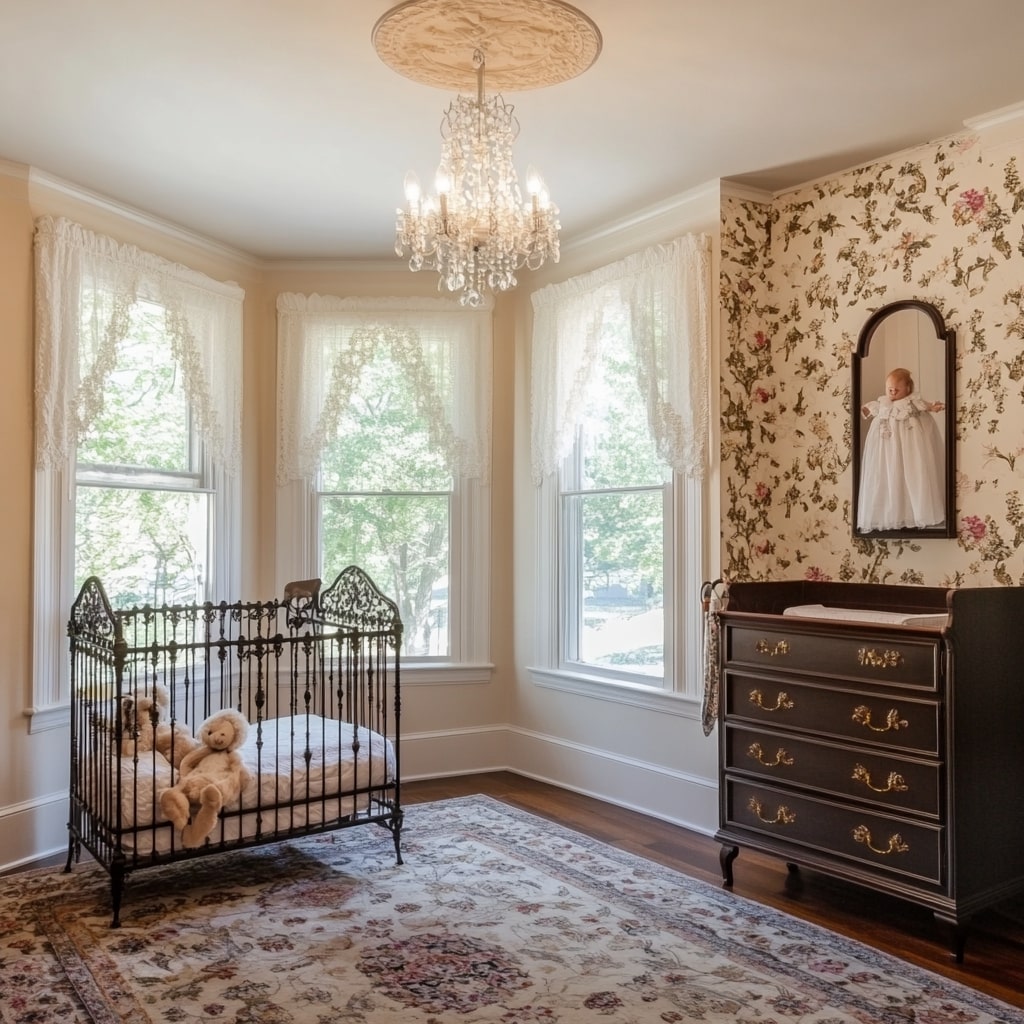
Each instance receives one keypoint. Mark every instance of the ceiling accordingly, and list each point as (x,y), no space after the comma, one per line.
(273,126)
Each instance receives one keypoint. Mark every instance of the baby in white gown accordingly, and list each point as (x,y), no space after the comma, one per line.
(902,468)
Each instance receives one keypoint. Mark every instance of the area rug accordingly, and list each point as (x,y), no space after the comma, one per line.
(496,915)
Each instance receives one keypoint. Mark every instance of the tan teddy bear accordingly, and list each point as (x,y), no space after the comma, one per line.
(171,738)
(209,778)
(144,727)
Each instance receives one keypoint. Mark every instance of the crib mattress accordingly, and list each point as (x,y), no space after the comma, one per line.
(341,760)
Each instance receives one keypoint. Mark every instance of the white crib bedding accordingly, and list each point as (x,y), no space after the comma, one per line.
(315,793)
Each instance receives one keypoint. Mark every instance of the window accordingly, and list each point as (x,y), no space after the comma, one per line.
(138,382)
(620,385)
(142,493)
(613,502)
(383,460)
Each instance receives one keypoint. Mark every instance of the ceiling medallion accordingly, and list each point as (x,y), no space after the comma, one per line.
(478,231)
(528,44)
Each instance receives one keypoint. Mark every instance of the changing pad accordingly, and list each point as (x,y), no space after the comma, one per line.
(821,611)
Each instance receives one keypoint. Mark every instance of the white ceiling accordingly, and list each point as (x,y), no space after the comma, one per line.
(274,127)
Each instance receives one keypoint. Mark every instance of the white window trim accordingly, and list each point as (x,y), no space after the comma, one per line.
(297,553)
(687,547)
(297,557)
(53,574)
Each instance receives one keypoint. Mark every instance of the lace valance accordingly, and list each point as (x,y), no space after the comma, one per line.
(325,341)
(664,295)
(86,285)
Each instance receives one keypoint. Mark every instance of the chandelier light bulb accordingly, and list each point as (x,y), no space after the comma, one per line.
(412,188)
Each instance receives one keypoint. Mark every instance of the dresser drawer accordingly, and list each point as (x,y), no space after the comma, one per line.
(870,776)
(895,721)
(878,658)
(887,843)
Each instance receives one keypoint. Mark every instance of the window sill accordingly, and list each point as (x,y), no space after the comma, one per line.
(616,690)
(54,716)
(442,673)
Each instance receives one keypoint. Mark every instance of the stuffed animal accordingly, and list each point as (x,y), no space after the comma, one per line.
(138,728)
(209,778)
(144,727)
(171,738)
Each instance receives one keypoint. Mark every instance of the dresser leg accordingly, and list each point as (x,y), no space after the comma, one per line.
(726,856)
(956,935)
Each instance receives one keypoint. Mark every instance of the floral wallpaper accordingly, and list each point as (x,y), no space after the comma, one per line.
(799,277)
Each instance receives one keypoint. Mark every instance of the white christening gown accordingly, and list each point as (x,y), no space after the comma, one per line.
(902,472)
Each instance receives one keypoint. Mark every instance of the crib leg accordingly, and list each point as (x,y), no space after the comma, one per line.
(117,877)
(396,832)
(74,852)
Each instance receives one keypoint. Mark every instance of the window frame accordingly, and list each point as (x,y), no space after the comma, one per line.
(298,525)
(685,557)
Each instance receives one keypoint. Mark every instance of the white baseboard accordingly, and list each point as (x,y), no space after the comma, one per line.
(33,830)
(679,798)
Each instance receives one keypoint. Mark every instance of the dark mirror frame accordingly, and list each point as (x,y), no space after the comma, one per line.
(945,350)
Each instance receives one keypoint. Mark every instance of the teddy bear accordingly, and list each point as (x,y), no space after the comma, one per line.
(145,727)
(209,777)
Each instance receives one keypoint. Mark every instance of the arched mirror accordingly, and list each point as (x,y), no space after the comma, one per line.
(904,443)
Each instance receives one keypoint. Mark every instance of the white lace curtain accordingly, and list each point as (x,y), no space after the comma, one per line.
(664,293)
(323,344)
(86,286)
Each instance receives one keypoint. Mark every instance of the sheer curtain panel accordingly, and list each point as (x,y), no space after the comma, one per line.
(323,343)
(86,285)
(662,295)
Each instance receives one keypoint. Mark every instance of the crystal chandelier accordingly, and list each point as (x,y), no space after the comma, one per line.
(478,230)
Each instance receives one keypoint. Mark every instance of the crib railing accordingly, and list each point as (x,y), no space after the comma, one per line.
(326,658)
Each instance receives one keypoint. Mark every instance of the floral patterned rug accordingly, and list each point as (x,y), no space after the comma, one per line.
(496,915)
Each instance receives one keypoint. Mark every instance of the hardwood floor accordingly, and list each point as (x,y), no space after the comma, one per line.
(994,960)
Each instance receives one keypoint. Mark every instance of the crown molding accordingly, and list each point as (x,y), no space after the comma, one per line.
(997,118)
(694,201)
(998,126)
(745,193)
(314,264)
(45,182)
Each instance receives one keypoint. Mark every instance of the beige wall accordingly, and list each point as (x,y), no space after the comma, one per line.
(447,727)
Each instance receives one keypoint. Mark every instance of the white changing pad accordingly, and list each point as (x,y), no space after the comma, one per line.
(342,759)
(821,611)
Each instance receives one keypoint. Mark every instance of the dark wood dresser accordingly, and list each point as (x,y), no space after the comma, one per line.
(884,753)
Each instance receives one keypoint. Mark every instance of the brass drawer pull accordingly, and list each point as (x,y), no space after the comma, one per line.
(782,701)
(783,816)
(894,784)
(875,659)
(893,722)
(781,757)
(764,647)
(862,834)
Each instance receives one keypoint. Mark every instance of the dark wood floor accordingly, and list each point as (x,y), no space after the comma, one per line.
(994,961)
